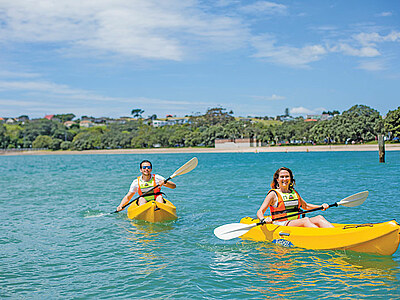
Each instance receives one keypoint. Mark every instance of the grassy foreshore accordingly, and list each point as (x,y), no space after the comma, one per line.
(317,148)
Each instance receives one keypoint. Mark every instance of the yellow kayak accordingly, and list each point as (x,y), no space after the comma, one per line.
(152,211)
(379,238)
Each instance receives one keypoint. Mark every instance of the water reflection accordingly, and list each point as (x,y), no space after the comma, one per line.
(358,265)
(276,268)
(275,271)
(147,232)
(228,263)
(146,242)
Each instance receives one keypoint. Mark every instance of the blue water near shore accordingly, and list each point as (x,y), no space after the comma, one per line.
(56,243)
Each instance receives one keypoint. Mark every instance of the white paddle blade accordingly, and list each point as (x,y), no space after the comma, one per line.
(189,166)
(354,200)
(231,231)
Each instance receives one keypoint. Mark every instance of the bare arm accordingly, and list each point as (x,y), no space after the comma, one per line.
(125,200)
(168,184)
(264,206)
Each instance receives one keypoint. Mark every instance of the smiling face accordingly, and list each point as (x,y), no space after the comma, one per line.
(145,169)
(284,179)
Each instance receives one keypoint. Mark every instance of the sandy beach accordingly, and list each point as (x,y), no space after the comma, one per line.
(319,148)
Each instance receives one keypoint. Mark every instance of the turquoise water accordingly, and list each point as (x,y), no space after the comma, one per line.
(56,243)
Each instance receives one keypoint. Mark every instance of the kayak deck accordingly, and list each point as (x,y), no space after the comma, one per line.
(379,238)
(153,211)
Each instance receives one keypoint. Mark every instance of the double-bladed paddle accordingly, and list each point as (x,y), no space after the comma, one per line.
(234,230)
(189,166)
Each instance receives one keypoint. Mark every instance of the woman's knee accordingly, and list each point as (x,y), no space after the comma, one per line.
(319,218)
(307,221)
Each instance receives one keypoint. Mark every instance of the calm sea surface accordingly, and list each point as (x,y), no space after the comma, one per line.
(55,243)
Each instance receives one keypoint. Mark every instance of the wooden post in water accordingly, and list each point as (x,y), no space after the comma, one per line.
(381,145)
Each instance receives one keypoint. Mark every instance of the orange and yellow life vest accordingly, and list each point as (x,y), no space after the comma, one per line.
(145,186)
(287,203)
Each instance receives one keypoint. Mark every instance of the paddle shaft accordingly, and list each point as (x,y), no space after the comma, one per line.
(302,212)
(143,195)
(230,231)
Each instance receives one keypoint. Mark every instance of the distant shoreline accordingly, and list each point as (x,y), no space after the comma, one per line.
(287,149)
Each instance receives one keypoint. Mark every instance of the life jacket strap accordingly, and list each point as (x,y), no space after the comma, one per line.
(152,194)
(290,210)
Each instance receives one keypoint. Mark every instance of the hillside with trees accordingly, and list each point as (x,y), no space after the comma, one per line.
(359,124)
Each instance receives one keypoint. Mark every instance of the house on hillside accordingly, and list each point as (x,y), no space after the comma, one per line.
(173,121)
(180,121)
(323,117)
(86,123)
(86,118)
(160,123)
(286,118)
(101,120)
(69,123)
(23,119)
(118,121)
(52,118)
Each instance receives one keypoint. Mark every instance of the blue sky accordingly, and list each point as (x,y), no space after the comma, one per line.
(105,58)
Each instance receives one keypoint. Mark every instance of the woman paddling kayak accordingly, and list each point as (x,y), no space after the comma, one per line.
(283,199)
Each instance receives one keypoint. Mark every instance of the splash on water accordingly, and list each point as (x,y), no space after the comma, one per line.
(94,214)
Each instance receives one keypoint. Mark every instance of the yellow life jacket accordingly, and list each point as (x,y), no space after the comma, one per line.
(287,203)
(145,186)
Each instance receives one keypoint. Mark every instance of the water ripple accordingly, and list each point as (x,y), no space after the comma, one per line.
(59,239)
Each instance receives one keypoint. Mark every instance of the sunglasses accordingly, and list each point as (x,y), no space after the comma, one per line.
(146,167)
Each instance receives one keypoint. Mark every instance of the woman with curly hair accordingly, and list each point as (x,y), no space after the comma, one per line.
(283,200)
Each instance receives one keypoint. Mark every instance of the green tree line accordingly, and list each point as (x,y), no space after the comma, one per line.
(358,124)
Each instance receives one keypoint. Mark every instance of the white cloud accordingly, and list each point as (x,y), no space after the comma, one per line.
(273,97)
(40,96)
(287,55)
(276,97)
(166,30)
(351,51)
(375,65)
(301,111)
(21,103)
(37,86)
(385,14)
(306,111)
(326,28)
(9,74)
(264,7)
(371,39)
(136,29)
(53,90)
(365,45)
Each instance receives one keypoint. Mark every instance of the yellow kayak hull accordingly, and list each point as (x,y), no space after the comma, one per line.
(380,238)
(153,211)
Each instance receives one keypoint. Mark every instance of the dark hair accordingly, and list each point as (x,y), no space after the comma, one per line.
(146,161)
(274,183)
